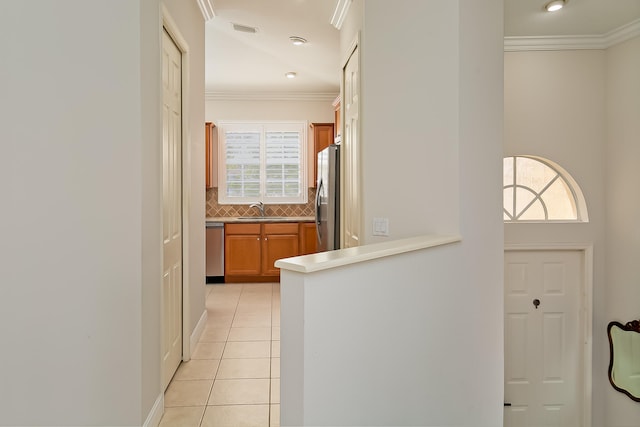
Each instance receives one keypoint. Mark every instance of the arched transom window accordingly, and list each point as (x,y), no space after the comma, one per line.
(536,189)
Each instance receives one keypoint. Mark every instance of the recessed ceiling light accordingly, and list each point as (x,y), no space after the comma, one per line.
(290,75)
(554,5)
(297,40)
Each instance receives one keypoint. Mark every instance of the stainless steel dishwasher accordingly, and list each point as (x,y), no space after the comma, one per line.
(215,252)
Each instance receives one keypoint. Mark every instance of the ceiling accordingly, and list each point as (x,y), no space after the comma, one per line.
(240,64)
(578,17)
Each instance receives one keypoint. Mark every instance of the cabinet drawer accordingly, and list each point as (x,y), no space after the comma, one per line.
(281,228)
(242,228)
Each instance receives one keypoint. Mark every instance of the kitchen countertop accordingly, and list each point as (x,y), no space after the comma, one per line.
(245,219)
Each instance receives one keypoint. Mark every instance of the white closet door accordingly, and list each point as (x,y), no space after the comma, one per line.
(172,208)
(351,200)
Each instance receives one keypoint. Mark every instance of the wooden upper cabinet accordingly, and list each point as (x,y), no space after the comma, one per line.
(321,137)
(210,140)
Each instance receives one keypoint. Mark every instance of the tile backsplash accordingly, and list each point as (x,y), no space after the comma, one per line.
(217,210)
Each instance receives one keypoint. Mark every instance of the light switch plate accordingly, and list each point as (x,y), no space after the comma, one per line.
(380,226)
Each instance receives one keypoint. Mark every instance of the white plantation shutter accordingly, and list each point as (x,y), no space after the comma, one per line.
(283,162)
(262,161)
(243,164)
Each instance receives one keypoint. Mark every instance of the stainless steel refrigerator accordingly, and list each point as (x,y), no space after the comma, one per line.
(328,199)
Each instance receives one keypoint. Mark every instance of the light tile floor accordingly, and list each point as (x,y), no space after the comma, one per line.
(233,378)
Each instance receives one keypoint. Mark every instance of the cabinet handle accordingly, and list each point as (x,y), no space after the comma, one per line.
(265,239)
(258,239)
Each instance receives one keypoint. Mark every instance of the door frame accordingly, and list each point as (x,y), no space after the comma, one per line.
(172,28)
(585,314)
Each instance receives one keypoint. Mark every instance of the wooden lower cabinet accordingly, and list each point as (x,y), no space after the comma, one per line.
(242,248)
(308,238)
(279,241)
(252,249)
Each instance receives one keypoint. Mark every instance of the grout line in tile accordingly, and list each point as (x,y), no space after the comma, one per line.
(270,357)
(244,404)
(208,396)
(223,349)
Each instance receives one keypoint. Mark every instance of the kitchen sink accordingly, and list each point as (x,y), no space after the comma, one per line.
(260,218)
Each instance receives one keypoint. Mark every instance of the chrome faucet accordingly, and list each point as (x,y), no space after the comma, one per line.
(260,207)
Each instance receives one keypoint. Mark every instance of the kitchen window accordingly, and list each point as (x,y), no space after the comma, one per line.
(263,161)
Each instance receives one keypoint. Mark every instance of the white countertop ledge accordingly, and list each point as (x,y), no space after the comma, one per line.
(331,259)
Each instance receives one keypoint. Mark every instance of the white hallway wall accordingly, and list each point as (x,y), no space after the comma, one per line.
(554,108)
(410,82)
(72,284)
(577,108)
(225,109)
(82,125)
(188,18)
(431,99)
(623,207)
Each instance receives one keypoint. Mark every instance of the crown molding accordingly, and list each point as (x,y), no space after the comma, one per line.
(340,12)
(597,42)
(206,8)
(622,34)
(270,96)
(515,44)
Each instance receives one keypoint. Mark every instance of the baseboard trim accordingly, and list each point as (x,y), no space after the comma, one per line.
(197,331)
(154,417)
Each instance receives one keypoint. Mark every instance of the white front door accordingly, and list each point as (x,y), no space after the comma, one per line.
(544,353)
(171,208)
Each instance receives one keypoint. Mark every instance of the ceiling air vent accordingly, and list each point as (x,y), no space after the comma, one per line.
(245,28)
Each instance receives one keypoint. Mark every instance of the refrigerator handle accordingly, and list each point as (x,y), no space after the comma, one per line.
(318,219)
